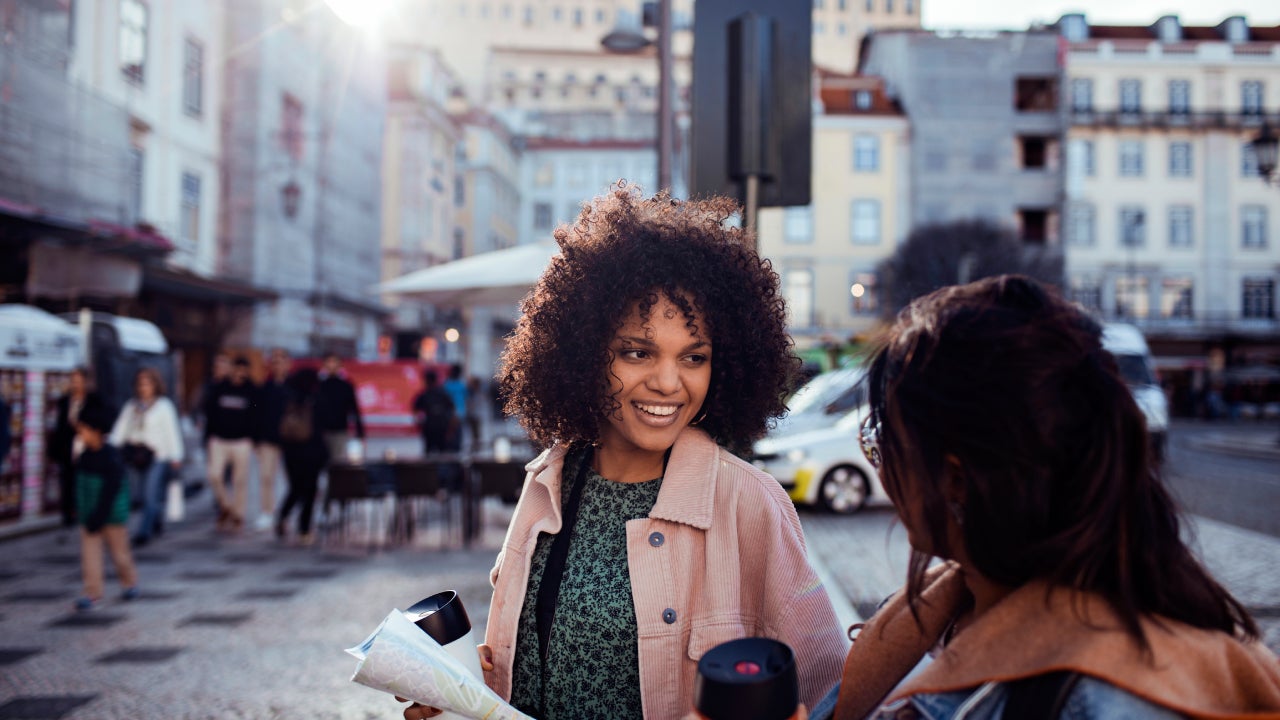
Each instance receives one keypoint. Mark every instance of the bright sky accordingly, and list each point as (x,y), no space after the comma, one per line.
(1018,14)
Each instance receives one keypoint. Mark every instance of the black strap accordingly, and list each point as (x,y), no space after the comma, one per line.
(553,573)
(1039,696)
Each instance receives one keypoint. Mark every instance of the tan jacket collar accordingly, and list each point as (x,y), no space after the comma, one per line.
(688,487)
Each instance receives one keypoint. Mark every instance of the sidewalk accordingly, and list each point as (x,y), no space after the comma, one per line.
(1262,442)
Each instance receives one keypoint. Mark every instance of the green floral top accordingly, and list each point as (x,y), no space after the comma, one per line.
(593,667)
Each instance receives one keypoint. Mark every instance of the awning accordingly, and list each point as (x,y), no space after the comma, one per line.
(186,284)
(493,278)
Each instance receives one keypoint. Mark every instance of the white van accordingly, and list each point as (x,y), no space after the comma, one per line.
(1133,356)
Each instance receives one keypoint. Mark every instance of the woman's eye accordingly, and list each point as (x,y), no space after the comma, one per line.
(697,359)
(634,354)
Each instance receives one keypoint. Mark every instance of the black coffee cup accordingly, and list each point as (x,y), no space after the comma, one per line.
(441,616)
(747,679)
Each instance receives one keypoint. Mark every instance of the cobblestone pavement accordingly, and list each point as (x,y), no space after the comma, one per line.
(866,555)
(226,627)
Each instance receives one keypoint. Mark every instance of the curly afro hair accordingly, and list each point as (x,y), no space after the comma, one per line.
(625,249)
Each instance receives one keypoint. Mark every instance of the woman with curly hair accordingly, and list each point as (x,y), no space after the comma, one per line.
(653,344)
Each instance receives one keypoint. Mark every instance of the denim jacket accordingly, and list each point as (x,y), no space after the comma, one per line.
(1092,699)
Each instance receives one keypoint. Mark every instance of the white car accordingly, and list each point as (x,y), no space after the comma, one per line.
(823,467)
(1133,357)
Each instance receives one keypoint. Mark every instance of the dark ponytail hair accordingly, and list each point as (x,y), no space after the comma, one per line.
(1053,457)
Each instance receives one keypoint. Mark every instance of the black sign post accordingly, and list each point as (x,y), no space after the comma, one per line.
(751,100)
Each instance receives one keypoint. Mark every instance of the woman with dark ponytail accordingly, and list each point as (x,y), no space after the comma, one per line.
(1013,452)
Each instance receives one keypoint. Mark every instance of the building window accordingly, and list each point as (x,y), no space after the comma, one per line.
(137,161)
(291,138)
(865,222)
(1258,298)
(862,99)
(866,153)
(1179,159)
(556,14)
(1248,161)
(133,40)
(1175,298)
(909,7)
(1036,94)
(1179,97)
(1131,158)
(1132,298)
(577,174)
(1080,158)
(864,294)
(544,175)
(1130,95)
(984,155)
(189,212)
(527,15)
(1133,227)
(1181,233)
(1081,225)
(1253,226)
(542,216)
(193,78)
(1035,155)
(797,289)
(577,17)
(1088,293)
(1081,95)
(888,6)
(797,224)
(459,243)
(871,5)
(1251,97)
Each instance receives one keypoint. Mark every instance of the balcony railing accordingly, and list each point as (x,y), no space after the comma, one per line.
(1197,120)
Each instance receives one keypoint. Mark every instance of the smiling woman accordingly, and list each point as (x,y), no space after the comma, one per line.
(653,342)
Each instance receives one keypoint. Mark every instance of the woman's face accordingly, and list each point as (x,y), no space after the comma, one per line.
(660,374)
(146,388)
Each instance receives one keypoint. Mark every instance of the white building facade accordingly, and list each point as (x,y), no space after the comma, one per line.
(1167,223)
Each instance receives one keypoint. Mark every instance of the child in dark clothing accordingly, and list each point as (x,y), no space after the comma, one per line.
(104,507)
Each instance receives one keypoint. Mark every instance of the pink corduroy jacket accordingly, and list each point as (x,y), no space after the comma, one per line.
(721,556)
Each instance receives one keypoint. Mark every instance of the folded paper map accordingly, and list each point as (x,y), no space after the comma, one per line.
(401,659)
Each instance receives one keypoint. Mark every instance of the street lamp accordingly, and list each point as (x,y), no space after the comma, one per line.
(628,37)
(1264,149)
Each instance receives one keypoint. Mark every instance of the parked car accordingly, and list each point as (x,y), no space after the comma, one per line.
(1133,357)
(823,467)
(822,401)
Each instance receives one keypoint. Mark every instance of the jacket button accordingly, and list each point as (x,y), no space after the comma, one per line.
(668,616)
(656,539)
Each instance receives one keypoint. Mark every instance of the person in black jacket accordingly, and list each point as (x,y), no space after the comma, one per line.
(336,407)
(104,506)
(230,427)
(304,449)
(272,397)
(435,415)
(62,449)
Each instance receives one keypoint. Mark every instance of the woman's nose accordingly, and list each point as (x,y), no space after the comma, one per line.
(665,377)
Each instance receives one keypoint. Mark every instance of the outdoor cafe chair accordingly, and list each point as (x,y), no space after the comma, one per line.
(350,484)
(415,481)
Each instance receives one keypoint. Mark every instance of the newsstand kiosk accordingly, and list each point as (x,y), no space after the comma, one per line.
(37,353)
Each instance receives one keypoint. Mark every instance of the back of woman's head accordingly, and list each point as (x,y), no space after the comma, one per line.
(625,249)
(1005,390)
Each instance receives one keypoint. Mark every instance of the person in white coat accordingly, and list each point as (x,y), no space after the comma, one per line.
(150,441)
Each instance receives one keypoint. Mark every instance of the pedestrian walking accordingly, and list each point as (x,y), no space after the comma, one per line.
(456,387)
(472,418)
(305,452)
(103,500)
(653,345)
(230,425)
(433,412)
(150,443)
(1013,451)
(337,409)
(272,398)
(64,445)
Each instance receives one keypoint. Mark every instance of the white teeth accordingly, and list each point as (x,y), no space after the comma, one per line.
(660,410)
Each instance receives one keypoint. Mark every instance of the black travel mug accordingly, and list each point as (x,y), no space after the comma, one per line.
(747,679)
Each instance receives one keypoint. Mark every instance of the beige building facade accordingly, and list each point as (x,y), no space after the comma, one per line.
(826,253)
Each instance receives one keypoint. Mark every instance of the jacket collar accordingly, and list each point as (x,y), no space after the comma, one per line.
(688,487)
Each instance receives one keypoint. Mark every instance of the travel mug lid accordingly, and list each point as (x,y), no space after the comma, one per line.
(441,616)
(747,679)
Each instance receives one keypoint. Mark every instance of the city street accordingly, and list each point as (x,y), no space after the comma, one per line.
(245,627)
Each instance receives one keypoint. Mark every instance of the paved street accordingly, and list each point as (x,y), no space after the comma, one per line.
(246,628)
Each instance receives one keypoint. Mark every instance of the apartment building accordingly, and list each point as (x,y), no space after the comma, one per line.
(303,160)
(1168,224)
(826,253)
(986,127)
